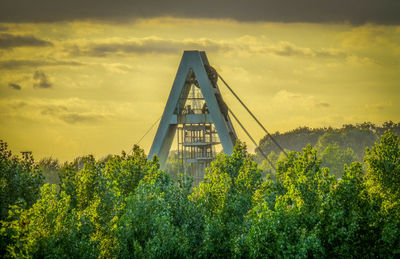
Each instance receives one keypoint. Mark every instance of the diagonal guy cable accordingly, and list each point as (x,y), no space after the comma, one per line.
(147,132)
(252,140)
(252,115)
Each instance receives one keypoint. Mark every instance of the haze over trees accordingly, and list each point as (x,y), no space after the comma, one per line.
(125,206)
(336,146)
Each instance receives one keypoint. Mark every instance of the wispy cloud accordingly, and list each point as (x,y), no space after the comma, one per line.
(22,63)
(378,106)
(294,101)
(323,105)
(12,41)
(41,80)
(73,118)
(72,111)
(145,46)
(287,49)
(150,45)
(14,86)
(67,113)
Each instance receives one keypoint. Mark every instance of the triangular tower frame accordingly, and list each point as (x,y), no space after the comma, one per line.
(193,64)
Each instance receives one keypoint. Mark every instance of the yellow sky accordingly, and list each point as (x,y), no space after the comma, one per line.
(95,87)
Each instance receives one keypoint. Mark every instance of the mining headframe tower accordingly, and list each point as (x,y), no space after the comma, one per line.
(197,116)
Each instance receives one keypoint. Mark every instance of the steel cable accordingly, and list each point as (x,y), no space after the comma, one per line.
(252,140)
(252,115)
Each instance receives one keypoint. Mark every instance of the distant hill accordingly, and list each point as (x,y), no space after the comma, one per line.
(336,146)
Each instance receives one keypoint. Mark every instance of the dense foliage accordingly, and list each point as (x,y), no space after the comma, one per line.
(336,147)
(126,207)
(20,181)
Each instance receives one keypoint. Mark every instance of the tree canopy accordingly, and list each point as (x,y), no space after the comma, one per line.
(125,206)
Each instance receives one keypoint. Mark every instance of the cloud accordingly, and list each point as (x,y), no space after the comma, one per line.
(145,46)
(287,49)
(53,109)
(118,68)
(149,45)
(378,106)
(323,105)
(66,113)
(297,101)
(17,104)
(11,41)
(314,11)
(72,111)
(14,86)
(22,63)
(73,118)
(41,80)
(378,41)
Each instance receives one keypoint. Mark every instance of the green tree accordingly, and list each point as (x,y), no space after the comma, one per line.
(158,220)
(283,221)
(88,204)
(49,229)
(349,136)
(294,140)
(172,165)
(224,198)
(266,166)
(335,158)
(125,206)
(50,168)
(347,218)
(383,161)
(20,180)
(357,137)
(99,189)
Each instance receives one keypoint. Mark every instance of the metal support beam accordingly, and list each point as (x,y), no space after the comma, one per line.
(192,63)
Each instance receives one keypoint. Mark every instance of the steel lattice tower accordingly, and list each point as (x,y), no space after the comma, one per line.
(196,113)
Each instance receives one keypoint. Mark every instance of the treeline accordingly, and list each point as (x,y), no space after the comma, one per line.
(335,146)
(126,207)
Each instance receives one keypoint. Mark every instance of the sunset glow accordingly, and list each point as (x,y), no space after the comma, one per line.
(84,85)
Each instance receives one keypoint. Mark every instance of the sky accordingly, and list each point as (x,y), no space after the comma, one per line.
(91,77)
